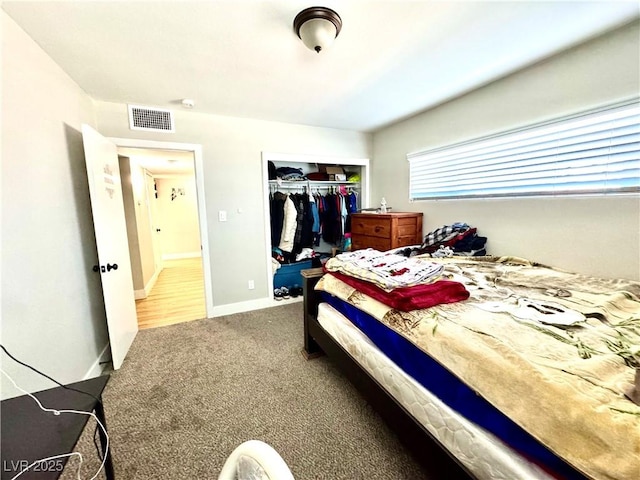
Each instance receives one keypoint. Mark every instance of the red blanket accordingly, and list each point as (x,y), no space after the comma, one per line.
(410,298)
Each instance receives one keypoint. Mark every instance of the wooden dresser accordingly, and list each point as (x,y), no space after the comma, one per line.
(384,231)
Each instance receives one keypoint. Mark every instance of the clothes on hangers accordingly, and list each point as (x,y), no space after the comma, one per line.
(300,220)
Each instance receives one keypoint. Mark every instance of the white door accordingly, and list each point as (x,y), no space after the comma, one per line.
(114,266)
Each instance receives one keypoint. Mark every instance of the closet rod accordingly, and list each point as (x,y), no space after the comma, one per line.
(313,187)
(313,182)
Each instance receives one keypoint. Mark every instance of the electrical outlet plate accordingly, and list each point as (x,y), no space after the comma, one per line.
(252,285)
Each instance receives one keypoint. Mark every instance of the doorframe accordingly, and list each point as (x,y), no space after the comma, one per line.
(196,149)
(303,158)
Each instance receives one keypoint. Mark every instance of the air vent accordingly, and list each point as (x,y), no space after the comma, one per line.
(151,119)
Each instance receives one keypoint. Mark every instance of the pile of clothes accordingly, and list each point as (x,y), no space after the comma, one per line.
(457,239)
(402,283)
(290,174)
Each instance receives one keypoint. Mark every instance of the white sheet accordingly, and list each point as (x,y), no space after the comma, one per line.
(481,452)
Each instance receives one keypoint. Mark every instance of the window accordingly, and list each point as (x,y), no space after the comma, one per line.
(597,152)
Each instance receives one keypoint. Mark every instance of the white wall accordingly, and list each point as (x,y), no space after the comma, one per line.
(128,202)
(599,236)
(152,258)
(233,182)
(136,209)
(139,177)
(52,307)
(178,216)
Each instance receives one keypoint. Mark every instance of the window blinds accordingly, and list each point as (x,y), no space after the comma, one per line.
(593,153)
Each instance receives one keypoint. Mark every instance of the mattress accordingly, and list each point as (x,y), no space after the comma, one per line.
(486,456)
(515,343)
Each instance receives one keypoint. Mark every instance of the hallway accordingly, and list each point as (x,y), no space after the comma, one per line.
(177,296)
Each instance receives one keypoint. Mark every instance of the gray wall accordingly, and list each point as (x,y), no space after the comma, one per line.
(594,235)
(52,308)
(233,182)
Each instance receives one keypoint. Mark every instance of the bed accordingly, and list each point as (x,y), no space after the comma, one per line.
(525,379)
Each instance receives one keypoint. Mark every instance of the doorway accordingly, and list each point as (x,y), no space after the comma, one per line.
(169,248)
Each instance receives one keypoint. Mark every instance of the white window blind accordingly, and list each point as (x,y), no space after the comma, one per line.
(592,153)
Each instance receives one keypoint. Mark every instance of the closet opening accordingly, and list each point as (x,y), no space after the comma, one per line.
(308,203)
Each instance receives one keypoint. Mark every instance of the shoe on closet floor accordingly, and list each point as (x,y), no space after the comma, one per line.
(285,292)
(277,294)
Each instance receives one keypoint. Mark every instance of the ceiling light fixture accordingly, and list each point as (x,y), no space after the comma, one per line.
(317,27)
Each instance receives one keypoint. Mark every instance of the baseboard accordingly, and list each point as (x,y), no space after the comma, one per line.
(144,293)
(152,281)
(177,256)
(250,305)
(96,368)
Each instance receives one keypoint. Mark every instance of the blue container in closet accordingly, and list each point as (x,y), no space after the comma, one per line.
(289,275)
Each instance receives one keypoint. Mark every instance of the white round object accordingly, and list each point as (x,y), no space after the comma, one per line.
(318,34)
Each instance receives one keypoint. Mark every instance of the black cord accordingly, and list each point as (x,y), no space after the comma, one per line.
(48,377)
(95,443)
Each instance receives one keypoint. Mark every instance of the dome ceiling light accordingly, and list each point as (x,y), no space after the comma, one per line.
(317,27)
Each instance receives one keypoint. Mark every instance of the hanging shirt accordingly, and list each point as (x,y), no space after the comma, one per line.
(353,202)
(315,228)
(289,225)
(277,217)
(343,214)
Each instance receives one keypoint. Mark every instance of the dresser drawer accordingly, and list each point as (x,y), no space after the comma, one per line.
(372,227)
(408,227)
(358,242)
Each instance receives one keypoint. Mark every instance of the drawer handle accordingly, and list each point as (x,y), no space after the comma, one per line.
(378,229)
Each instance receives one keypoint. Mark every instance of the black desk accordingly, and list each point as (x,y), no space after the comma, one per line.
(29,434)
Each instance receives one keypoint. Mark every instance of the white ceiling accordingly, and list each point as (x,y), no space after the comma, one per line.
(241,58)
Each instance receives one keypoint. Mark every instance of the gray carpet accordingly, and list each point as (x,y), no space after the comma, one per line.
(188,394)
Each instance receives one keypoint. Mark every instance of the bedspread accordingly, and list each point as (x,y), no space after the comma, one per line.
(563,382)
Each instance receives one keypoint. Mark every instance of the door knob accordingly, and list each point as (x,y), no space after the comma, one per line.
(101,268)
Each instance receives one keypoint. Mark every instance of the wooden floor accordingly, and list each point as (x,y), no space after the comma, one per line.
(177,296)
